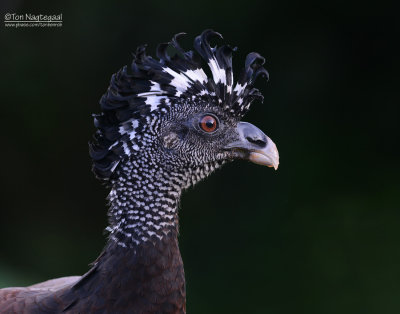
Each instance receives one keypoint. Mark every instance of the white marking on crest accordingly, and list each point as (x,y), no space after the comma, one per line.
(196,75)
(132,135)
(154,101)
(180,82)
(126,148)
(239,88)
(155,87)
(155,90)
(135,123)
(150,94)
(122,131)
(218,73)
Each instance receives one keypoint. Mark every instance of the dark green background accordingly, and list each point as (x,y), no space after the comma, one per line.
(320,235)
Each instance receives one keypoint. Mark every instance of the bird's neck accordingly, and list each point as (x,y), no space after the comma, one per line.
(144,204)
(145,196)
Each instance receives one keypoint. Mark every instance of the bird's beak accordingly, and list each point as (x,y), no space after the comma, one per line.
(253,145)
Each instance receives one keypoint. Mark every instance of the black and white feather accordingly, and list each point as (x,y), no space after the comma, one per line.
(141,93)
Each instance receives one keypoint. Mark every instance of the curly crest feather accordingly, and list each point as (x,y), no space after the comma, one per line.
(148,88)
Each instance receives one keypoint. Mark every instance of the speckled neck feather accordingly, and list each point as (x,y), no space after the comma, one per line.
(144,199)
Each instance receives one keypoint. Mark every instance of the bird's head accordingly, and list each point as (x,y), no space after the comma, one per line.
(169,112)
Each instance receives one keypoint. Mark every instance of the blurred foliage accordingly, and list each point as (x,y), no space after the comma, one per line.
(320,235)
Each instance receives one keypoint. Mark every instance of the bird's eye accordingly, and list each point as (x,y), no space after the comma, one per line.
(208,123)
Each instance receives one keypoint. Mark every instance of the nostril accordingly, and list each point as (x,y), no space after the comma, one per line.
(257,141)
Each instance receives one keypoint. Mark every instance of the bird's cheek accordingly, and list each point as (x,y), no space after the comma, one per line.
(169,140)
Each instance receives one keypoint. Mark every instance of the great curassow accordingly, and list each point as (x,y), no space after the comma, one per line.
(164,125)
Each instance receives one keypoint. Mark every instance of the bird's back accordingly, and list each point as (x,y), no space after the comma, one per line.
(149,279)
(37,298)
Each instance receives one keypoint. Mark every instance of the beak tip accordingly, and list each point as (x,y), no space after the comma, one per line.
(274,165)
(268,156)
(264,160)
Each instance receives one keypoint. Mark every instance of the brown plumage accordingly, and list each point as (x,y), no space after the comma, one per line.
(150,281)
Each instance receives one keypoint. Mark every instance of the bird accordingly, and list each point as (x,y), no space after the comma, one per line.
(165,124)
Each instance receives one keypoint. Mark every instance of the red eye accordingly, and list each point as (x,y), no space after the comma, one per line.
(208,123)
